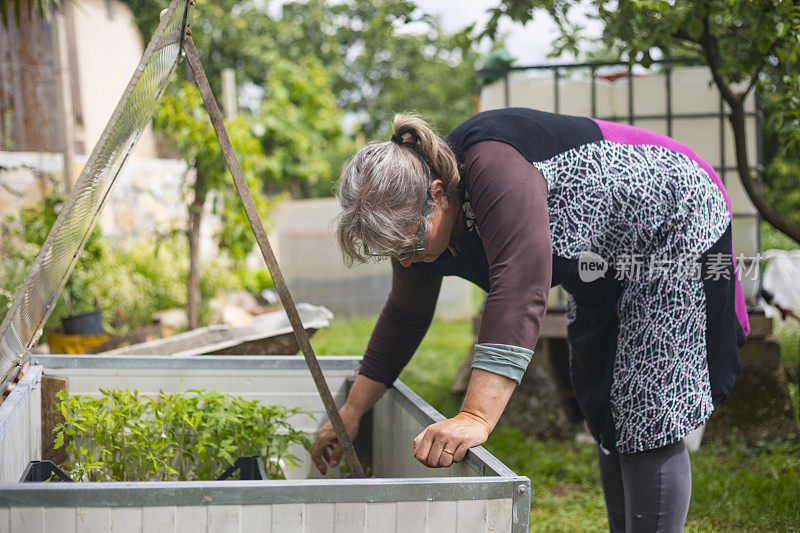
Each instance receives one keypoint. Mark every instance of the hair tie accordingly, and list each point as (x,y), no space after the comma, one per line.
(396,139)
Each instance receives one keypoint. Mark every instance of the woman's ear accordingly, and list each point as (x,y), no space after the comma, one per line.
(438,195)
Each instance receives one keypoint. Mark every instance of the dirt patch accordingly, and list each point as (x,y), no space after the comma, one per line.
(562,489)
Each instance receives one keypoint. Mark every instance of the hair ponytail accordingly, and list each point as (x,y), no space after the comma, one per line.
(416,134)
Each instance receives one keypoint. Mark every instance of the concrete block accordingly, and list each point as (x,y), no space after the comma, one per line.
(554,325)
(759,408)
(760,326)
(761,355)
(543,404)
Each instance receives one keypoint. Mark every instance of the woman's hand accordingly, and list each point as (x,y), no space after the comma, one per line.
(447,442)
(326,449)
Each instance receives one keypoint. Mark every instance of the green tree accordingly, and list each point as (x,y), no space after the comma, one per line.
(294,140)
(381,56)
(237,34)
(385,57)
(744,44)
(298,121)
(182,118)
(300,128)
(781,161)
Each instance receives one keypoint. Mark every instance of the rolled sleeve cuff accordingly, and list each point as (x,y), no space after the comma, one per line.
(503,359)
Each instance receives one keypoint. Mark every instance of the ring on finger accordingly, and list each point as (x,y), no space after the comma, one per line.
(448,451)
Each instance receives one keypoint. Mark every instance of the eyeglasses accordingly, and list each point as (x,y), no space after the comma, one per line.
(419,247)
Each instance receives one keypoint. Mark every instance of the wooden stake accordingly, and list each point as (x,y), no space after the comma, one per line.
(51,417)
(269,257)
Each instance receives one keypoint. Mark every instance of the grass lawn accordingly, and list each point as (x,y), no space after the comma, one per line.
(734,488)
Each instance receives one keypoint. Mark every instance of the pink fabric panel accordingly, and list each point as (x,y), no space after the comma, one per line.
(625,134)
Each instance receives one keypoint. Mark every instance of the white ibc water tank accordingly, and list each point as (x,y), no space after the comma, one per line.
(692,94)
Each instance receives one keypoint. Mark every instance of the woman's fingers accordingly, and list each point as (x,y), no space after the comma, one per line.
(326,450)
(435,454)
(336,456)
(440,454)
(319,450)
(448,456)
(321,459)
(430,446)
(422,445)
(321,465)
(460,452)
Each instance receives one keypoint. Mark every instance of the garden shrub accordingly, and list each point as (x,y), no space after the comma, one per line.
(130,280)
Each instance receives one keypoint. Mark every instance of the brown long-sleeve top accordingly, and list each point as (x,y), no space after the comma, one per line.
(505,249)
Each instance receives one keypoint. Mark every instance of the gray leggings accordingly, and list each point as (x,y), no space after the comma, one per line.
(647,491)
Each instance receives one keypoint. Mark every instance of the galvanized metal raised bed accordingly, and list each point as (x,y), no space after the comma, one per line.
(267,334)
(480,494)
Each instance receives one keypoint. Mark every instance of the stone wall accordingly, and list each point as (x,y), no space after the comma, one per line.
(147,197)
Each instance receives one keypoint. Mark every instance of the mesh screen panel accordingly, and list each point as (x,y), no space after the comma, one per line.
(22,325)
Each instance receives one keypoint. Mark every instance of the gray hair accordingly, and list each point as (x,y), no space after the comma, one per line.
(382,190)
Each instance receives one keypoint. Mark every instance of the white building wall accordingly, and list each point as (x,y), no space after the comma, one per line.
(108,48)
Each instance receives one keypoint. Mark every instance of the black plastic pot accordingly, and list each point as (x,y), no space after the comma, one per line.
(90,323)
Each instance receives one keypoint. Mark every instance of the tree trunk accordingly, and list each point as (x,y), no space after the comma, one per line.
(193,282)
(767,212)
(299,189)
(710,46)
